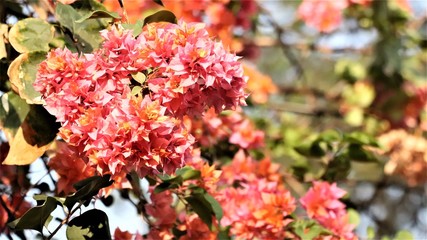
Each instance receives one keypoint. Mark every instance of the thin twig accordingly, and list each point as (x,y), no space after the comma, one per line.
(285,48)
(65,221)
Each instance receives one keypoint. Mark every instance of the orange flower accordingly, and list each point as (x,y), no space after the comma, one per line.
(260,86)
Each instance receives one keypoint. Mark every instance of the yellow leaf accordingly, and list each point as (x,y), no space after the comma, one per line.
(23,153)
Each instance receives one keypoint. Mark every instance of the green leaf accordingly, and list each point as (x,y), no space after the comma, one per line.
(36,217)
(136,27)
(31,34)
(137,90)
(85,33)
(356,152)
(308,229)
(404,234)
(316,148)
(92,224)
(370,232)
(99,14)
(188,173)
(139,77)
(360,138)
(215,206)
(86,189)
(205,206)
(13,111)
(161,16)
(353,217)
(22,74)
(201,207)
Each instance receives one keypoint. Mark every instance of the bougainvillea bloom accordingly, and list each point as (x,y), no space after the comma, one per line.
(322,204)
(324,15)
(256,210)
(120,131)
(70,167)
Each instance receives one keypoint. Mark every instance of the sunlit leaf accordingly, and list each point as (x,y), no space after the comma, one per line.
(136,27)
(21,152)
(31,34)
(139,77)
(22,74)
(13,111)
(36,217)
(188,173)
(404,234)
(353,217)
(92,224)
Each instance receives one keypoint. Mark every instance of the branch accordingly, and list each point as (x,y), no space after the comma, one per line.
(285,48)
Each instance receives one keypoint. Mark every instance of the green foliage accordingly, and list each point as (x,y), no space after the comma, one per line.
(13,111)
(161,16)
(84,35)
(92,224)
(308,229)
(204,205)
(181,175)
(30,35)
(22,74)
(36,217)
(86,189)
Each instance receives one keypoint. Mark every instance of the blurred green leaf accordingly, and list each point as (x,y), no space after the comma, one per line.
(353,217)
(99,14)
(204,205)
(36,217)
(360,138)
(22,74)
(92,224)
(161,16)
(188,173)
(404,234)
(31,34)
(136,27)
(356,152)
(308,229)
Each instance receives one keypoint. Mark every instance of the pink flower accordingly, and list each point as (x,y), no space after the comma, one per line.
(324,15)
(246,136)
(256,210)
(322,204)
(68,163)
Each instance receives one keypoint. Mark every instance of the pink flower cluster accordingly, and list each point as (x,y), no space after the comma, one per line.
(234,126)
(186,73)
(326,15)
(258,207)
(257,210)
(322,204)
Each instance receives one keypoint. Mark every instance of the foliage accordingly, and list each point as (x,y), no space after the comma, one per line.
(109,95)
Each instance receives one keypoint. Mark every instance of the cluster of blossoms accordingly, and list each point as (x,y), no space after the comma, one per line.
(407,156)
(118,131)
(322,204)
(326,15)
(233,127)
(258,207)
